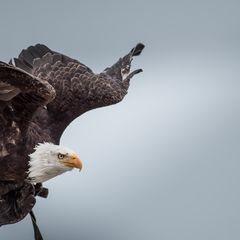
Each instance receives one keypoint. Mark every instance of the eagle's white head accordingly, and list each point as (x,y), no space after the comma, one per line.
(49,160)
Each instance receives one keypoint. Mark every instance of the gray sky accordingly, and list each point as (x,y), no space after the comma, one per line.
(164,163)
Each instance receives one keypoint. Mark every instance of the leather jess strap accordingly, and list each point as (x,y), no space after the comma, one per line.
(41,192)
(37,233)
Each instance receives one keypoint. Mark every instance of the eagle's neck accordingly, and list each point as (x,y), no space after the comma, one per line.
(39,172)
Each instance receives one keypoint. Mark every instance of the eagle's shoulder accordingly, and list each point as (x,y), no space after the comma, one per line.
(41,61)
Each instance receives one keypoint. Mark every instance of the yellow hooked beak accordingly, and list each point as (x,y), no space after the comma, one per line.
(73,161)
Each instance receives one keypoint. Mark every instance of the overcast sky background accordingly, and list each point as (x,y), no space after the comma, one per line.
(163,163)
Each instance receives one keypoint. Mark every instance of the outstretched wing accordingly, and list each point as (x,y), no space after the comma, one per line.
(21,94)
(78,89)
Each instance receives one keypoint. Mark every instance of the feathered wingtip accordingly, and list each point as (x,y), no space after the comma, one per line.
(121,69)
(137,50)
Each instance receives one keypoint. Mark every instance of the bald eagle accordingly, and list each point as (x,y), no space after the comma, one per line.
(41,93)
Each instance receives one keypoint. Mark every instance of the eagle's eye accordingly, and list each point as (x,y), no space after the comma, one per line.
(61,156)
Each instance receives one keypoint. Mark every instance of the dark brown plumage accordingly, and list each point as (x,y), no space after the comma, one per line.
(42,94)
(15,115)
